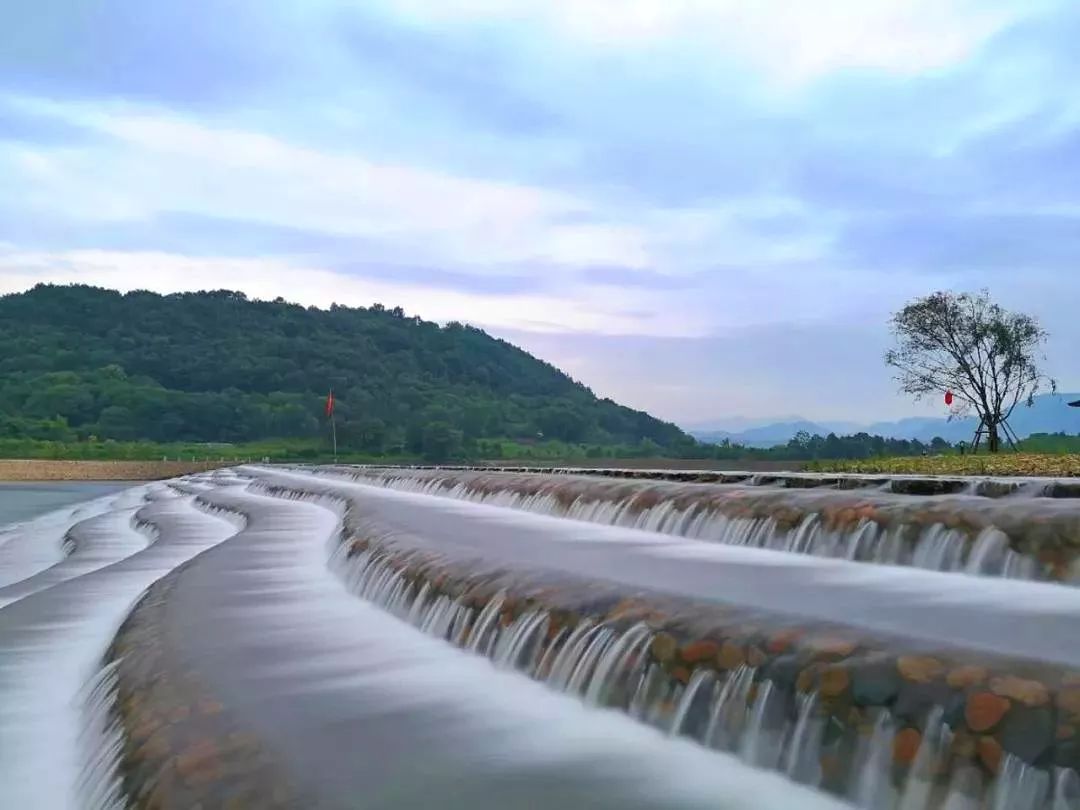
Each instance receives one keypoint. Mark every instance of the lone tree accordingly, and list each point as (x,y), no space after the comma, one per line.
(987,357)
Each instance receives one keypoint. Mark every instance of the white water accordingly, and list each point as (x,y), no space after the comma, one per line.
(364,700)
(596,660)
(94,542)
(53,641)
(990,614)
(802,751)
(38,544)
(101,742)
(936,548)
(340,684)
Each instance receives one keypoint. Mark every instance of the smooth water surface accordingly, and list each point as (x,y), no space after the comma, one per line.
(21,501)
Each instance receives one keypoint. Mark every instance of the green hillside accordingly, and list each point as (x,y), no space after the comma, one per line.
(78,362)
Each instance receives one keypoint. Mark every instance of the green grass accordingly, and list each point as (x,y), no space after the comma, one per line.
(302,450)
(107,450)
(1042,455)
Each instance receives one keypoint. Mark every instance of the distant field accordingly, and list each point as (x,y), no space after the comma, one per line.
(723,465)
(52,470)
(1035,464)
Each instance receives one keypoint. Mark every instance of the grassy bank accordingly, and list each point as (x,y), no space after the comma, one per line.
(719,465)
(189,452)
(1006,463)
(1046,458)
(53,470)
(497,451)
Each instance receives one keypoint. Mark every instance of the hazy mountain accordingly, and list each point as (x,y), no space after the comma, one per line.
(1049,414)
(737,424)
(764,436)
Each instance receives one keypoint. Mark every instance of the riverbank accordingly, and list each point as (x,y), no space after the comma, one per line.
(52,470)
(707,464)
(1056,465)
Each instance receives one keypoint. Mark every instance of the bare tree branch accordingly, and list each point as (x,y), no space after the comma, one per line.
(969,345)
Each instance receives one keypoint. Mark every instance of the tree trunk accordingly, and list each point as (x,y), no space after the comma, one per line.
(993,439)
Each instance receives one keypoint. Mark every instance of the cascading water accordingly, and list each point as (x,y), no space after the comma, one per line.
(873,757)
(742,711)
(803,750)
(56,737)
(761,742)
(696,696)
(770,671)
(727,718)
(618,666)
(101,741)
(921,531)
(75,733)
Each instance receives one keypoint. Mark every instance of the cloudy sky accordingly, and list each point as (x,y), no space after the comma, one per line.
(703,208)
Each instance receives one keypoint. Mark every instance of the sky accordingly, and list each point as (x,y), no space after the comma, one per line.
(701,208)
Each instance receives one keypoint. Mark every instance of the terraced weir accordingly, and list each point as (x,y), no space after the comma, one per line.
(356,637)
(1020,528)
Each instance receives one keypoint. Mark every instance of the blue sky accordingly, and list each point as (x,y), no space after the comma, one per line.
(699,207)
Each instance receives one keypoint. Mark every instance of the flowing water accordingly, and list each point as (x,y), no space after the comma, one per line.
(874,526)
(23,501)
(308,640)
(717,711)
(944,608)
(364,707)
(52,642)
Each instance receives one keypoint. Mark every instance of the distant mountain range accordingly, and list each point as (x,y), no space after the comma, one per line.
(1049,414)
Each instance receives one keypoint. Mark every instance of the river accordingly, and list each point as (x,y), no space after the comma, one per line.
(23,501)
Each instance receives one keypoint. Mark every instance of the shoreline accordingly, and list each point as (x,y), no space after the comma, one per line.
(43,470)
(695,464)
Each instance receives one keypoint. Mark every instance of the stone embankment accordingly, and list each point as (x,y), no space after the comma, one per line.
(268,662)
(816,699)
(969,713)
(1000,527)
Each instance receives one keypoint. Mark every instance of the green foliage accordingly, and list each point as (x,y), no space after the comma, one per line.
(969,345)
(1051,443)
(864,447)
(91,373)
(94,449)
(441,442)
(78,361)
(805,447)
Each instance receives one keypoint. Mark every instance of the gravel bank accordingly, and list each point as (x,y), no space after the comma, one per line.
(50,470)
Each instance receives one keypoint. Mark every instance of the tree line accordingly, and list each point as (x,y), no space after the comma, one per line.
(80,363)
(83,364)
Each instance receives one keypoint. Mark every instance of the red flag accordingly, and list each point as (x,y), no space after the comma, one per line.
(948,397)
(330,404)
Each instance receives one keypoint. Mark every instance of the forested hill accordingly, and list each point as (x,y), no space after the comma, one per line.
(79,361)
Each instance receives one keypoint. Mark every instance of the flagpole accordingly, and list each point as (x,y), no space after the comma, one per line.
(333,420)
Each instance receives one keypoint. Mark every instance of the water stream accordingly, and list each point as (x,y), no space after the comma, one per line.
(348,668)
(737,712)
(885,528)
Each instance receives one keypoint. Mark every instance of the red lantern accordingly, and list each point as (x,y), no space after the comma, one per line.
(948,397)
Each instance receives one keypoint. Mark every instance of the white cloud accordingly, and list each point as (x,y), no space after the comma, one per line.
(639,103)
(578,310)
(790,41)
(153,161)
